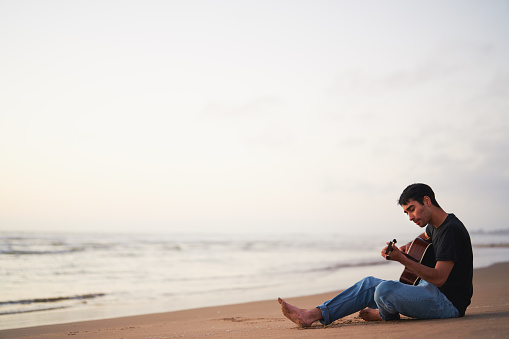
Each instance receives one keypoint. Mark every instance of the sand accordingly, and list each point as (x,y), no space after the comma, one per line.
(487,317)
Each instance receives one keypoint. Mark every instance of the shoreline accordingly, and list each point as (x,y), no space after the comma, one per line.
(488,315)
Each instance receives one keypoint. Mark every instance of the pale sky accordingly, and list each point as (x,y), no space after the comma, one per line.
(251,116)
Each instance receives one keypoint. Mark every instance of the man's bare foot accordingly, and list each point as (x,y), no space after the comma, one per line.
(302,317)
(370,314)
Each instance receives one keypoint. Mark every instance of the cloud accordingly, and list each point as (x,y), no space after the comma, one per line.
(454,60)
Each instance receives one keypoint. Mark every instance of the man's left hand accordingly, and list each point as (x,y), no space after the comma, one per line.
(395,254)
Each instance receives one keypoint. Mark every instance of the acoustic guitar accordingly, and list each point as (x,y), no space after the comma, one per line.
(419,251)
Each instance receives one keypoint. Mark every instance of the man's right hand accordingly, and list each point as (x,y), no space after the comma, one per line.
(405,248)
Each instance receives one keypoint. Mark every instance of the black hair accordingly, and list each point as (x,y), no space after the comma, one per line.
(417,192)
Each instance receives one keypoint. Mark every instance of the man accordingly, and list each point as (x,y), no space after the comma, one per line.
(444,291)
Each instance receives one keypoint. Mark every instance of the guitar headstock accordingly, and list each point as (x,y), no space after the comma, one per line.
(388,250)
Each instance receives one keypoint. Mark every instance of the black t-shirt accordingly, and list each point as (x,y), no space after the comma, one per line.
(451,242)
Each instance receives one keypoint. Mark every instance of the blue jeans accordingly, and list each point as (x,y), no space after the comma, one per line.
(391,298)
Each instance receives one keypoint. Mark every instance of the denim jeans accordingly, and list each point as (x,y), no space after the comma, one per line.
(391,298)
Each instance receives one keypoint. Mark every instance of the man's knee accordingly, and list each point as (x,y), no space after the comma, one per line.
(384,291)
(386,299)
(371,280)
(368,282)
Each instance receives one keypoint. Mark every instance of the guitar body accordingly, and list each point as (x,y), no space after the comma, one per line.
(420,251)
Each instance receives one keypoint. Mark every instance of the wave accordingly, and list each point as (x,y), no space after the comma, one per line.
(491,245)
(41,304)
(34,310)
(347,265)
(51,300)
(34,252)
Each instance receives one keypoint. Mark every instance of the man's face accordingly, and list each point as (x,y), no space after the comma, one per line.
(419,214)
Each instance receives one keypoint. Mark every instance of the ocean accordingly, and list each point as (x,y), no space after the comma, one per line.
(55,278)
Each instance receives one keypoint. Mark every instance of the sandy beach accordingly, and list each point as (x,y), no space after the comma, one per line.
(487,317)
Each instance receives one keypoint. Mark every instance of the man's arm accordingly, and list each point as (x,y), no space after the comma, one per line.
(434,275)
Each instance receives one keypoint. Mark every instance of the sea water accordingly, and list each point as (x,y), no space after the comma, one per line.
(54,277)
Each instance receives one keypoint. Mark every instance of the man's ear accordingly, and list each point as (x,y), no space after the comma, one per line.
(426,200)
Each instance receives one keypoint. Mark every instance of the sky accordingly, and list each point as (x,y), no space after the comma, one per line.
(251,116)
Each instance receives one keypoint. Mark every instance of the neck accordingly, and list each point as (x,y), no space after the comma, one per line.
(438,217)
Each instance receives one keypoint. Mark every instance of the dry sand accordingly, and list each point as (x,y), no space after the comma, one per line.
(487,317)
